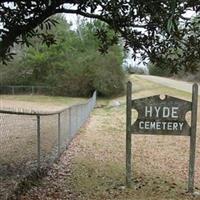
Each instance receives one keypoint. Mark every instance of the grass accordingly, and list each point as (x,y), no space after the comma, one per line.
(97,159)
(145,87)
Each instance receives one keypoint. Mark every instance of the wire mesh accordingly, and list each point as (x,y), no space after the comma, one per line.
(48,139)
(31,141)
(25,89)
(17,150)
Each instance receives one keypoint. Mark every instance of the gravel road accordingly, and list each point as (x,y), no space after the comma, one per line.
(180,85)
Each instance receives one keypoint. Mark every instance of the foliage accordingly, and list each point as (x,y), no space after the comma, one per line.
(136,70)
(73,65)
(147,32)
(108,79)
(160,70)
(184,59)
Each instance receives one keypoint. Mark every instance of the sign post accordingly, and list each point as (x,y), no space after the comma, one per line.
(162,116)
(193,138)
(128,134)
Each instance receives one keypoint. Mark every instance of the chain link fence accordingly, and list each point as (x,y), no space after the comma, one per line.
(33,141)
(26,89)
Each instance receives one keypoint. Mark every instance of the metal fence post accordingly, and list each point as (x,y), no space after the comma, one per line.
(13,90)
(76,124)
(59,142)
(38,141)
(70,124)
(32,88)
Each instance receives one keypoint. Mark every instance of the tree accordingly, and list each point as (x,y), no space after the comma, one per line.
(73,66)
(147,26)
(185,57)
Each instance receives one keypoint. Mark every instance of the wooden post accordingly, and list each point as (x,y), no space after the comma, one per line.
(128,134)
(193,138)
(38,141)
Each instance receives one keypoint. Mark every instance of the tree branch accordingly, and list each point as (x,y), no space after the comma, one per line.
(93,16)
(79,12)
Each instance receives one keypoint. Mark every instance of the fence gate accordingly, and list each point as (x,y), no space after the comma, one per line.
(162,116)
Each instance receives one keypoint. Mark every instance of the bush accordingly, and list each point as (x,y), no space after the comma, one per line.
(108,77)
(96,72)
(188,76)
(159,70)
(136,70)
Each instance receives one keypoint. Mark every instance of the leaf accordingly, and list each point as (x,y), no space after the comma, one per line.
(170,25)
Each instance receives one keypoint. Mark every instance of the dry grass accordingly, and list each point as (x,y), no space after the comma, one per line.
(37,102)
(94,166)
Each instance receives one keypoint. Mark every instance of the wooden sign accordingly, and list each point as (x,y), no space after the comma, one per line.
(162,116)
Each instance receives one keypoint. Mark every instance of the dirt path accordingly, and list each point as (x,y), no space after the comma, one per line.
(180,85)
(93,167)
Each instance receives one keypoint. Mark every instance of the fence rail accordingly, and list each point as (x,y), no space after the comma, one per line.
(33,140)
(26,89)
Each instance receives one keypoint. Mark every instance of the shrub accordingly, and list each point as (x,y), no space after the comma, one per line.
(159,70)
(136,70)
(108,76)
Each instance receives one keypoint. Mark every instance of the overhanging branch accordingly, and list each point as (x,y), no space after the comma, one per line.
(93,16)
(79,12)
